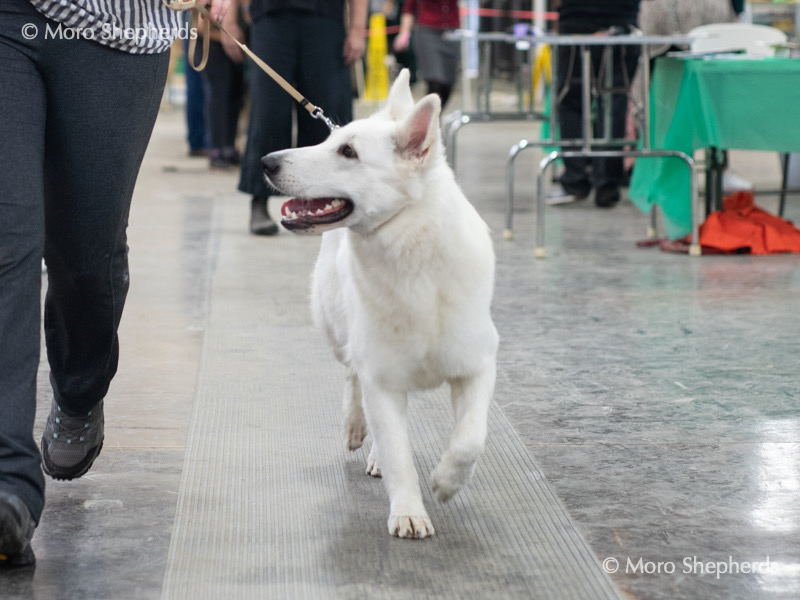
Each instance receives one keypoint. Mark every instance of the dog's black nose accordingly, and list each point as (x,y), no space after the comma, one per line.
(271,164)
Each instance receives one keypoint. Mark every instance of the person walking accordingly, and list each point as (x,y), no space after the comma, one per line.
(78,111)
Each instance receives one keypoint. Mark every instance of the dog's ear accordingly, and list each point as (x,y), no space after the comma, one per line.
(400,102)
(418,133)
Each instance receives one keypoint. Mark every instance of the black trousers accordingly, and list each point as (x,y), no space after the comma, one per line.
(606,172)
(76,118)
(306,49)
(223,92)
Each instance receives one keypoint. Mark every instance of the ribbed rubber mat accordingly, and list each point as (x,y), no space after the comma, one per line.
(271,505)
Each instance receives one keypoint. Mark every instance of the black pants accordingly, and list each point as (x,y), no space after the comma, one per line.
(76,118)
(606,172)
(195,102)
(306,49)
(223,92)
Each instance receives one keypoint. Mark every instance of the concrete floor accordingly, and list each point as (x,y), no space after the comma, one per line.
(654,394)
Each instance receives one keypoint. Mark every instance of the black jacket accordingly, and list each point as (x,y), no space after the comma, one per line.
(587,16)
(328,8)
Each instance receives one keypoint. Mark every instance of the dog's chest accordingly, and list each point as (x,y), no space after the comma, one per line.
(408,315)
(403,311)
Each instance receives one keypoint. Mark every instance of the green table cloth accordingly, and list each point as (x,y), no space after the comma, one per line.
(729,103)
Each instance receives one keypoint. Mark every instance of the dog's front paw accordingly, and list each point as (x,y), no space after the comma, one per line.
(372,463)
(355,430)
(413,527)
(449,477)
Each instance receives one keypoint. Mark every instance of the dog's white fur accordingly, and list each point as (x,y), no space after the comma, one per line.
(402,288)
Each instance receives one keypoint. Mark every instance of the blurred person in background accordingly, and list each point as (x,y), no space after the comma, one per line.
(311,44)
(437,58)
(223,89)
(603,175)
(393,10)
(195,104)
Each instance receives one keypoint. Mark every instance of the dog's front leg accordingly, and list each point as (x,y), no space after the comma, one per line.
(471,397)
(386,415)
(355,426)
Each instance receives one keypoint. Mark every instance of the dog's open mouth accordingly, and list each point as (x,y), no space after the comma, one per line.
(304,213)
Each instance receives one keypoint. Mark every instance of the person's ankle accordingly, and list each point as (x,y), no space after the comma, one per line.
(260,221)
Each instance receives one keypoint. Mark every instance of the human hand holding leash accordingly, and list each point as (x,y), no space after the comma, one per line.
(218,9)
(230,23)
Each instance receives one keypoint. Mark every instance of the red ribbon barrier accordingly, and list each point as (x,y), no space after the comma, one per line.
(493,12)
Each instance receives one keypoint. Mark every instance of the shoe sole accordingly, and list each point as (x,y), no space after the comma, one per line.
(15,548)
(78,470)
(607,204)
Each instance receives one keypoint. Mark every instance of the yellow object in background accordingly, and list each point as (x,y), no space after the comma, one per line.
(542,67)
(377,85)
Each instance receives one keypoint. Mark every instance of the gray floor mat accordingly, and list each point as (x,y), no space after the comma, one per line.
(271,505)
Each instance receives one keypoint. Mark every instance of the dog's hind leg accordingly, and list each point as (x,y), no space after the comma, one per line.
(386,414)
(471,397)
(373,465)
(355,425)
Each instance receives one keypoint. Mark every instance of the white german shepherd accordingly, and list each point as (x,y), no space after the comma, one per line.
(402,288)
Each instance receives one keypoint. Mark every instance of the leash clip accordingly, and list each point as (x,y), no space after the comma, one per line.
(318,114)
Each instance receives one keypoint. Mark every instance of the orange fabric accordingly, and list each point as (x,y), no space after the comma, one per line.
(741,224)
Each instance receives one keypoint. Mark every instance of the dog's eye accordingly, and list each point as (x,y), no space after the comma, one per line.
(348,151)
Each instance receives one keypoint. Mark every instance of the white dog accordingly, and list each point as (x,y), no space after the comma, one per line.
(402,288)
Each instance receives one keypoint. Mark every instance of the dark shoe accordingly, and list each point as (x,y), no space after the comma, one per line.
(231,156)
(560,195)
(607,200)
(71,443)
(575,184)
(16,531)
(198,153)
(217,162)
(260,223)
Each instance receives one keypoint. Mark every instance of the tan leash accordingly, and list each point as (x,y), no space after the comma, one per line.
(198,8)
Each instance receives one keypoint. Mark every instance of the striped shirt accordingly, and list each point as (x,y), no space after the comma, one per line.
(134,26)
